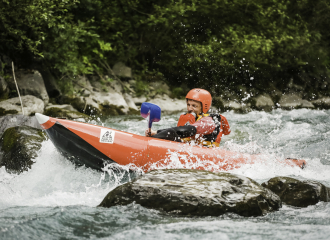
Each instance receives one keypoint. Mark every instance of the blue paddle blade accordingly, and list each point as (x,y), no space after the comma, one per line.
(151,110)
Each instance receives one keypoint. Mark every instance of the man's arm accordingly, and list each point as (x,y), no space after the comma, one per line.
(204,126)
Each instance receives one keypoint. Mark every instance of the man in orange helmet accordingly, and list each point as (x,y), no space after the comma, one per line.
(197,125)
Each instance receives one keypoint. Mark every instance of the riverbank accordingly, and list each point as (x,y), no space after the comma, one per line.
(122,94)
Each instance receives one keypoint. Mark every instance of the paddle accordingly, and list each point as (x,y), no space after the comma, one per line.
(152,111)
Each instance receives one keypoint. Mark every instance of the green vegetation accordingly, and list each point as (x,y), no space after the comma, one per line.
(9,139)
(224,46)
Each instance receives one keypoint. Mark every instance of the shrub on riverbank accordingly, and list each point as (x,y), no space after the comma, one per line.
(223,46)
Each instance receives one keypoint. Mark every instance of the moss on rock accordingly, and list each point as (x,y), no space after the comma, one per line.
(9,138)
(298,193)
(63,113)
(20,146)
(4,112)
(112,110)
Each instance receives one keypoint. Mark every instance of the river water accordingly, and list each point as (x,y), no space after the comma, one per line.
(57,200)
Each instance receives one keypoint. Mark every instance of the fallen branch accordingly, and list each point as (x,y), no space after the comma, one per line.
(19,95)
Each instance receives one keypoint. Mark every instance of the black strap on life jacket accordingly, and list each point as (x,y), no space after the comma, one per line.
(213,136)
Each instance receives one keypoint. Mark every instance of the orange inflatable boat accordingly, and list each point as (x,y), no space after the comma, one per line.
(95,146)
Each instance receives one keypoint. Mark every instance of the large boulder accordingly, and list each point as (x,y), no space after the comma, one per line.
(160,86)
(121,70)
(263,102)
(19,146)
(10,121)
(237,107)
(64,111)
(30,83)
(83,104)
(106,85)
(96,97)
(3,88)
(298,193)
(51,85)
(139,100)
(290,101)
(112,103)
(323,103)
(31,105)
(195,193)
(81,84)
(130,102)
(168,104)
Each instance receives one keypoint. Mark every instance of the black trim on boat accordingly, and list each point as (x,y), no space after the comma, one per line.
(76,148)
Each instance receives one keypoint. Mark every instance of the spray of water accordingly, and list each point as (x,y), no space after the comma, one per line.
(55,181)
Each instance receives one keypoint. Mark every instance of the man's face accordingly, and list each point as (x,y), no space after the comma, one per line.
(194,106)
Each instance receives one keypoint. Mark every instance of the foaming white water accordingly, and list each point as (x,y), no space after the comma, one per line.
(303,134)
(53,181)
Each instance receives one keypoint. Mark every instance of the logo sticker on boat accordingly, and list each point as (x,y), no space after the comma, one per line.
(107,136)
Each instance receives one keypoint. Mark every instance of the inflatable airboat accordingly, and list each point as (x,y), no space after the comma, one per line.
(96,146)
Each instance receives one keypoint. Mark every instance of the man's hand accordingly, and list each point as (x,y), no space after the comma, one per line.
(151,133)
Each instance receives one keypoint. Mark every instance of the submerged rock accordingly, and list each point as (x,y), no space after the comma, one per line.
(298,193)
(195,193)
(19,146)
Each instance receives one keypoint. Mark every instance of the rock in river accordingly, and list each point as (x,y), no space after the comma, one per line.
(19,146)
(195,193)
(298,193)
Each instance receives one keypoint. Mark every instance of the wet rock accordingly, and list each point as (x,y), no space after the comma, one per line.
(322,103)
(111,100)
(60,111)
(232,105)
(84,105)
(67,107)
(290,101)
(30,83)
(129,100)
(10,121)
(116,85)
(51,85)
(3,88)
(263,102)
(298,193)
(139,100)
(31,105)
(128,88)
(160,87)
(195,193)
(168,104)
(19,146)
(121,70)
(81,83)
(237,107)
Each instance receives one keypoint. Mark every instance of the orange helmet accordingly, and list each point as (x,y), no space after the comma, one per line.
(202,96)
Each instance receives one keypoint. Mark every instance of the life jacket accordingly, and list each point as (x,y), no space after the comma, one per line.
(210,140)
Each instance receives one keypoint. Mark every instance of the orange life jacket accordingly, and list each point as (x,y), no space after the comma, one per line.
(211,139)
